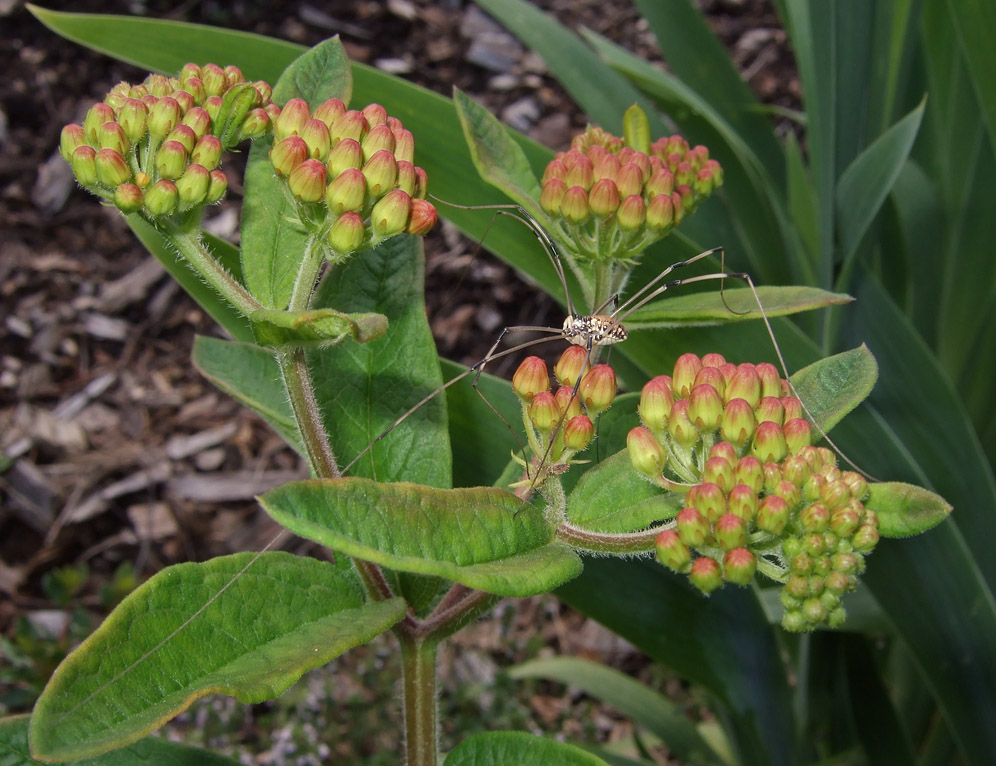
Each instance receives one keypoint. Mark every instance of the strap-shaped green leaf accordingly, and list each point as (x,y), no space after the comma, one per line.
(905,510)
(239,625)
(734,305)
(482,537)
(151,750)
(504,748)
(613,498)
(273,243)
(834,386)
(316,328)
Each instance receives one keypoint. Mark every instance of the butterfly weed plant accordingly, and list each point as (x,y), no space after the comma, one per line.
(715,469)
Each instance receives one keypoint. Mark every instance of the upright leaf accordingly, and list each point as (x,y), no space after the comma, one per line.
(503,748)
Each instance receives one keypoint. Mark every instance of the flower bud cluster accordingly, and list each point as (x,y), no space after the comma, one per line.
(607,200)
(706,400)
(558,420)
(802,520)
(350,173)
(156,147)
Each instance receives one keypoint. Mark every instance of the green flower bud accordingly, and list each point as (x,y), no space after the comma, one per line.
(681,429)
(184,135)
(128,198)
(346,155)
(195,87)
(678,204)
(568,401)
(730,531)
(351,124)
(598,388)
(256,123)
(164,116)
(207,152)
(571,365)
(672,552)
(293,116)
(348,191)
(574,205)
(749,471)
(214,80)
(554,169)
(422,186)
(743,502)
(646,455)
(212,105)
(769,410)
(161,198)
(789,492)
(686,368)
(423,216)
(316,136)
(530,378)
(603,199)
(375,114)
(217,187)
(745,384)
(795,470)
(814,545)
(578,432)
(724,450)
(391,213)
(330,111)
(347,233)
(771,382)
(835,494)
(84,165)
(72,137)
(769,443)
(307,181)
(660,213)
(694,528)
(133,115)
(814,518)
(381,173)
(705,408)
(171,160)
(846,563)
(738,424)
(739,566)
(579,171)
(856,483)
(772,515)
(112,136)
(629,179)
(632,213)
(711,375)
(287,154)
(406,177)
(707,498)
(552,195)
(660,184)
(377,139)
(193,186)
(865,539)
(656,401)
(112,168)
(95,118)
(544,413)
(198,120)
(719,471)
(705,574)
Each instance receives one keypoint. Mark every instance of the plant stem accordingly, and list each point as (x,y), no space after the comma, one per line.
(304,283)
(633,543)
(297,382)
(188,243)
(418,670)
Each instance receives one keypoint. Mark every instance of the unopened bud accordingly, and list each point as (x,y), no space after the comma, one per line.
(865,539)
(571,365)
(632,213)
(578,432)
(672,552)
(856,483)
(347,233)
(686,368)
(750,472)
(660,183)
(598,388)
(771,382)
(769,443)
(84,165)
(705,408)
(112,169)
(293,116)
(193,185)
(346,155)
(164,116)
(552,195)
(579,172)
(730,531)
(316,136)
(330,111)
(199,121)
(711,375)
(604,198)
(738,422)
(217,187)
(798,434)
(214,79)
(694,528)
(708,498)
(629,179)
(574,205)
(256,123)
(128,198)
(207,152)
(72,137)
(351,124)
(568,401)
(287,154)
(544,413)
(391,213)
(706,574)
(745,384)
(133,116)
(404,145)
(378,138)
(98,114)
(407,180)
(161,198)
(739,566)
(681,429)
(307,181)
(656,401)
(347,191)
(719,471)
(743,502)
(423,216)
(769,410)
(381,173)
(530,378)
(814,518)
(660,213)
(375,114)
(844,522)
(772,515)
(646,455)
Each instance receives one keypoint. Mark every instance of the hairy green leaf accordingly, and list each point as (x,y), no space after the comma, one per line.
(239,625)
(482,537)
(504,748)
(316,328)
(834,386)
(905,510)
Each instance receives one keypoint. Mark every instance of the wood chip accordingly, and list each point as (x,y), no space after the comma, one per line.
(242,485)
(97,502)
(153,521)
(180,447)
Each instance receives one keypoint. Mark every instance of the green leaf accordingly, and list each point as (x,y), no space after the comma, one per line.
(499,160)
(248,625)
(866,183)
(631,698)
(905,510)
(316,328)
(152,750)
(273,242)
(249,375)
(504,748)
(834,386)
(735,305)
(975,24)
(482,537)
(611,497)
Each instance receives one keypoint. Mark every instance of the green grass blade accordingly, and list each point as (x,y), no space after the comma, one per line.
(975,25)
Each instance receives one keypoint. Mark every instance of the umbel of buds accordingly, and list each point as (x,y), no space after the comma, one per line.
(350,174)
(609,199)
(155,148)
(558,420)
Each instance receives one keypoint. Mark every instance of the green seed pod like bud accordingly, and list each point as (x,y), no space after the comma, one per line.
(656,401)
(703,183)
(706,574)
(571,365)
(750,472)
(660,213)
(739,566)
(84,165)
(552,195)
(769,443)
(772,515)
(795,470)
(307,181)
(133,115)
(724,450)
(646,455)
(351,124)
(161,198)
(214,79)
(72,137)
(193,186)
(791,547)
(544,413)
(705,408)
(673,553)
(164,116)
(256,123)
(814,611)
(769,410)
(95,118)
(694,528)
(568,401)
(632,213)
(234,75)
(574,205)
(316,136)
(207,152)
(406,177)
(686,368)
(738,424)
(217,187)
(287,154)
(347,233)
(346,155)
(681,429)
(198,120)
(195,87)
(578,432)
(184,99)
(801,564)
(847,563)
(293,116)
(598,388)
(189,70)
(743,502)
(423,216)
(795,622)
(381,173)
(719,470)
(530,378)
(390,215)
(330,111)
(865,539)
(707,498)
(772,477)
(837,583)
(814,545)
(730,531)
(812,488)
(603,199)
(112,169)
(814,518)
(128,198)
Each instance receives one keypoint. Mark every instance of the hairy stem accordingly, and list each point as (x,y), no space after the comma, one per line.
(304,283)
(632,543)
(418,671)
(190,246)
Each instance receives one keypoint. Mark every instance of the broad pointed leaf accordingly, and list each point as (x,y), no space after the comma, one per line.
(503,748)
(905,510)
(242,625)
(316,328)
(151,750)
(482,537)
(834,386)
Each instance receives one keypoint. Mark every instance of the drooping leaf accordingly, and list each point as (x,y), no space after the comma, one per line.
(239,625)
(503,748)
(905,510)
(151,750)
(633,699)
(482,537)
(316,328)
(834,386)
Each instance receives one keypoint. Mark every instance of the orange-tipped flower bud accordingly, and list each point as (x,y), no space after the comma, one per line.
(771,382)
(750,472)
(739,566)
(738,422)
(217,187)
(598,388)
(769,443)
(307,181)
(423,216)
(381,173)
(661,183)
(287,154)
(706,574)
(632,213)
(161,198)
(544,413)
(571,365)
(214,79)
(865,539)
(686,368)
(694,528)
(375,114)
(133,116)
(293,117)
(815,518)
(798,434)
(681,429)
(316,136)
(347,233)
(835,494)
(604,198)
(656,401)
(856,483)
(730,531)
(207,152)
(351,124)
(407,180)
(574,205)
(629,179)
(672,552)
(707,498)
(330,111)
(712,376)
(72,136)
(772,515)
(84,165)
(112,169)
(789,492)
(164,116)
(769,409)
(530,378)
(193,185)
(743,502)
(378,138)
(346,155)
(183,135)
(578,432)
(745,384)
(579,172)
(793,408)
(844,522)
(97,115)
(128,198)
(645,454)
(552,195)
(256,123)
(660,212)
(705,408)
(719,471)
(404,145)
(568,401)
(199,121)
(346,192)
(391,213)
